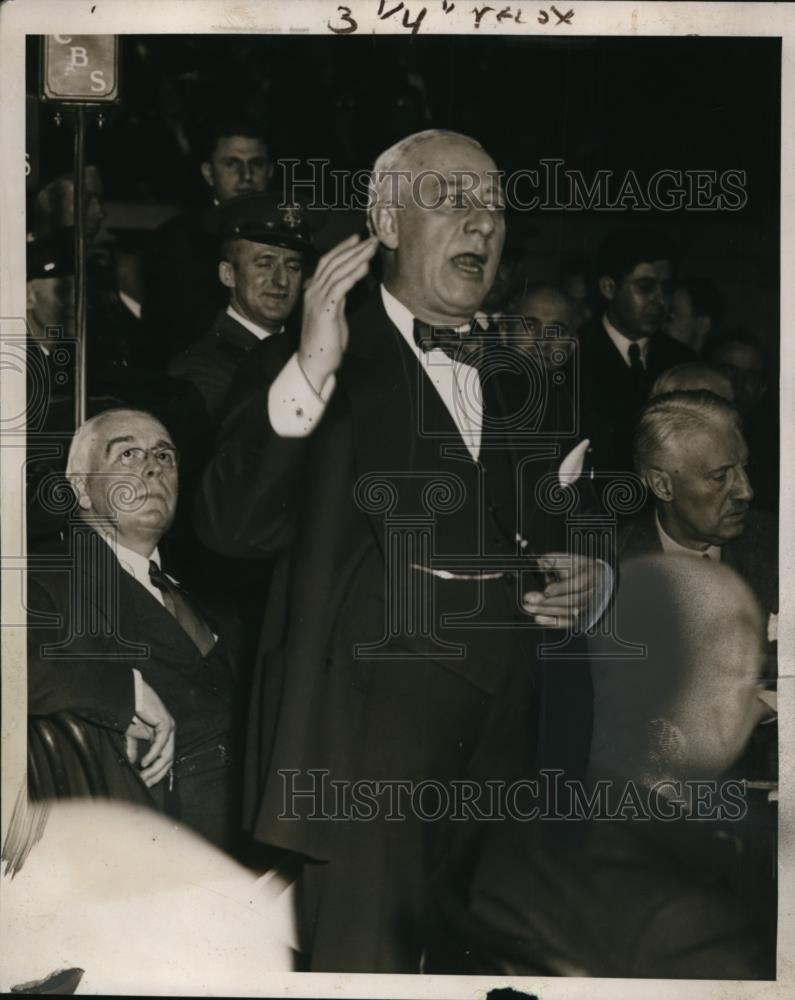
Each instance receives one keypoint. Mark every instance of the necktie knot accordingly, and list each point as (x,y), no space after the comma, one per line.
(462,345)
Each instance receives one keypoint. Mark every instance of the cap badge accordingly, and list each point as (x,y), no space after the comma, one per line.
(292,216)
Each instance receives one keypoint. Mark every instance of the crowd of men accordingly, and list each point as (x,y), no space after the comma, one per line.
(360,509)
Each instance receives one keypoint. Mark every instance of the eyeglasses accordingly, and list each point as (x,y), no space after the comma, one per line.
(135,458)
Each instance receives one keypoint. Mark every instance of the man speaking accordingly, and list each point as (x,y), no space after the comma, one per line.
(376,460)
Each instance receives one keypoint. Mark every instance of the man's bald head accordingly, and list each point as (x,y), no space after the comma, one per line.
(437,210)
(686,705)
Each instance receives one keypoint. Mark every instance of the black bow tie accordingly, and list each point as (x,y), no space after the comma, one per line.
(460,345)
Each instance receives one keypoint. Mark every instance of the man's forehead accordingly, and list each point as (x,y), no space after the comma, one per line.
(660,269)
(136,426)
(545,301)
(450,154)
(253,248)
(710,444)
(239,144)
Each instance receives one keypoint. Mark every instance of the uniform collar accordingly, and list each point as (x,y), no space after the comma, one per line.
(259,331)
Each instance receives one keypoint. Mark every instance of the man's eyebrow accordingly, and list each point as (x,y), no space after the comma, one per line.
(117,440)
(162,443)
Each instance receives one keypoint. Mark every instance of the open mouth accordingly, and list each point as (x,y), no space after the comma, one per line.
(470,264)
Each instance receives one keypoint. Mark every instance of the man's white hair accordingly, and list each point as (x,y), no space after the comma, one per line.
(78,460)
(382,186)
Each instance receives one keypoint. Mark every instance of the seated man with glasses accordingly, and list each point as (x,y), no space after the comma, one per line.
(131,681)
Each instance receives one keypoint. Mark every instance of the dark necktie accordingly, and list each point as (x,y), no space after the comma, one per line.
(459,345)
(638,373)
(177,605)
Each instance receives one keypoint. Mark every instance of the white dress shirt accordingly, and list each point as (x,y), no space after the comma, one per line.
(294,408)
(623,343)
(259,331)
(672,547)
(458,384)
(133,305)
(138,567)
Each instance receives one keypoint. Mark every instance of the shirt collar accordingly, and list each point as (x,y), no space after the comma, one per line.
(259,331)
(403,318)
(672,547)
(623,343)
(133,305)
(133,562)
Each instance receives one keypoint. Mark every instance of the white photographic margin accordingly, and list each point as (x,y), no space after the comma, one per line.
(38,17)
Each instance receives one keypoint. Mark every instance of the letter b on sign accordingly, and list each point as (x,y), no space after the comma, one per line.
(80,69)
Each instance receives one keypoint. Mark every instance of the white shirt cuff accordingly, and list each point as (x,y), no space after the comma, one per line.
(138,682)
(294,408)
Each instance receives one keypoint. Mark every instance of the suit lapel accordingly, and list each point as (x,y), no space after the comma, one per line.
(137,616)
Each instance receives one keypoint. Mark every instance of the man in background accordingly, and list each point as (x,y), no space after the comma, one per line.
(691,452)
(264,259)
(182,292)
(626,348)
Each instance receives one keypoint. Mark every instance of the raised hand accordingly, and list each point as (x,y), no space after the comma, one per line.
(324,334)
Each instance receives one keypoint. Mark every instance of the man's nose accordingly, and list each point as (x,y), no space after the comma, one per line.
(152,467)
(246,172)
(279,276)
(743,489)
(481,220)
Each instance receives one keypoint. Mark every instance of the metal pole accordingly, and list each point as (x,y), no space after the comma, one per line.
(80,267)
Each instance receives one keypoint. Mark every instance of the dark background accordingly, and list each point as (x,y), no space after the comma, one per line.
(598,103)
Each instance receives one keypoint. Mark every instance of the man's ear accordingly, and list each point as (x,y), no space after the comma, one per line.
(78,484)
(660,483)
(207,173)
(607,287)
(30,296)
(226,273)
(383,223)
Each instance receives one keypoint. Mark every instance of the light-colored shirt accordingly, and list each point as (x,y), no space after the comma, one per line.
(259,331)
(138,567)
(623,343)
(295,408)
(130,302)
(672,547)
(458,384)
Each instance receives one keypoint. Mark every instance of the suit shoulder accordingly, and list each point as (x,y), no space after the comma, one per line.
(673,352)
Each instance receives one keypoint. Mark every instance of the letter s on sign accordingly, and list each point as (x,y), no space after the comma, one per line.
(98,84)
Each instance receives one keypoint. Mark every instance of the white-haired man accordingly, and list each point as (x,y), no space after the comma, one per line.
(363,441)
(122,649)
(690,449)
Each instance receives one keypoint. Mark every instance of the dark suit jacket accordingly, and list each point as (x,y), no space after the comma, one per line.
(211,362)
(182,290)
(90,624)
(414,715)
(607,392)
(754,555)
(612,898)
